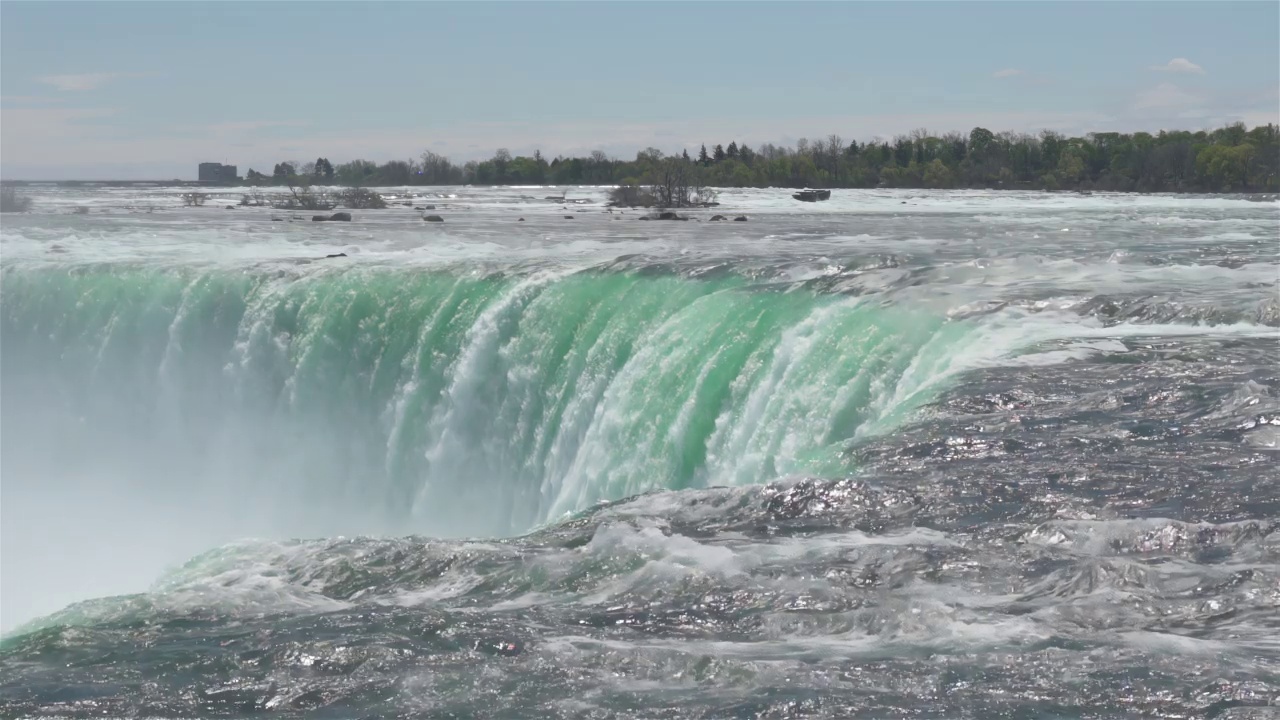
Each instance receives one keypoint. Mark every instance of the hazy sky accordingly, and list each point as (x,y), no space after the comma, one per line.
(147,90)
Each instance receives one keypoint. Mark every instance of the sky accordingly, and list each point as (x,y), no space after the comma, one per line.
(116,90)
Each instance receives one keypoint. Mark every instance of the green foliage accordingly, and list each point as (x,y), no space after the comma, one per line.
(323,170)
(1231,159)
(938,175)
(1226,167)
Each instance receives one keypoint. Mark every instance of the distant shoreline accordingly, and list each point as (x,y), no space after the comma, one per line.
(1232,159)
(241,187)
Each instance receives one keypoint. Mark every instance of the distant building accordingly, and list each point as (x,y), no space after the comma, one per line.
(218,173)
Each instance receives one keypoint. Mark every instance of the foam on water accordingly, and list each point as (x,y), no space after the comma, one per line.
(898,452)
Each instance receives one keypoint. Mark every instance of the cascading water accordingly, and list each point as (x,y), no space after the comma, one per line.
(949,454)
(450,403)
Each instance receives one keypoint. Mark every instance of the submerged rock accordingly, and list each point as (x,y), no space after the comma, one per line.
(433,218)
(716,218)
(1268,312)
(740,218)
(336,217)
(335,255)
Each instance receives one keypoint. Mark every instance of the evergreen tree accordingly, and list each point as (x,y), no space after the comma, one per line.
(1230,159)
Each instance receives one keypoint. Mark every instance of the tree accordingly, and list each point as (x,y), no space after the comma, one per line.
(649,155)
(938,175)
(674,183)
(356,172)
(323,169)
(362,199)
(833,152)
(1225,167)
(501,159)
(395,172)
(979,140)
(1233,158)
(1071,165)
(437,170)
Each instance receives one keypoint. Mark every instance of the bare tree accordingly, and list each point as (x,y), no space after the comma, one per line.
(834,152)
(254,199)
(676,183)
(362,199)
(437,169)
(302,198)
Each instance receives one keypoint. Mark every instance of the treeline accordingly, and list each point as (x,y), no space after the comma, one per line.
(1230,159)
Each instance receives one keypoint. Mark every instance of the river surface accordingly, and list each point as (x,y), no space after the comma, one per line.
(898,454)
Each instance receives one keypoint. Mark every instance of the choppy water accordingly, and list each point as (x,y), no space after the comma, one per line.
(900,454)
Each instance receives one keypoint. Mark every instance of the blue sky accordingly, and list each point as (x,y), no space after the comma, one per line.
(147,90)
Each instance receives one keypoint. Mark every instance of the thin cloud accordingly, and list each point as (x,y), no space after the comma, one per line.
(31,99)
(249,126)
(1181,66)
(1008,72)
(84,81)
(1165,96)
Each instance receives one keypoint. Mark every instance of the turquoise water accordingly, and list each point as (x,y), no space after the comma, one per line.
(460,403)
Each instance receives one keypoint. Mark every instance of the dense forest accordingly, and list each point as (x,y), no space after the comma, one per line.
(1230,159)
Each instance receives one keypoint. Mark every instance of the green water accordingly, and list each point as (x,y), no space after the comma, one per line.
(459,402)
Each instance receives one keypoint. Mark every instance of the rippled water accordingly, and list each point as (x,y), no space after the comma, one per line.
(899,454)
